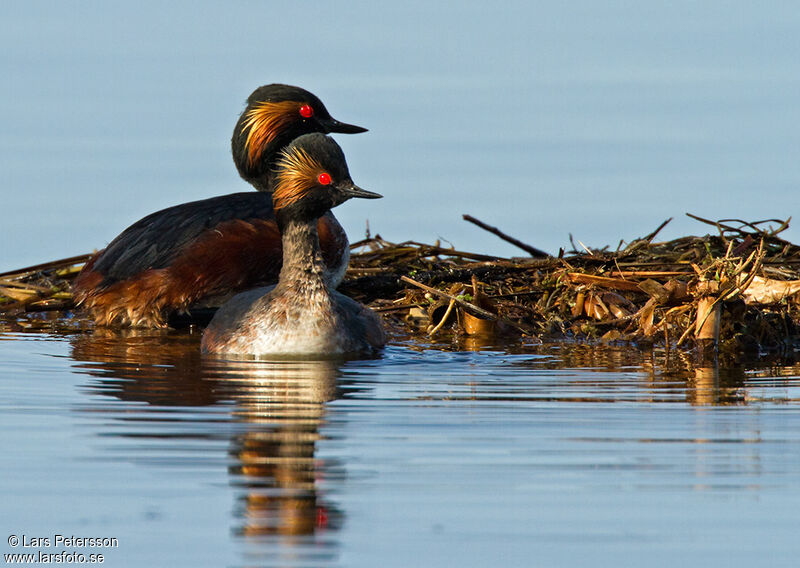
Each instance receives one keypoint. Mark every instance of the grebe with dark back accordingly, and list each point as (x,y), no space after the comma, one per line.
(201,252)
(301,315)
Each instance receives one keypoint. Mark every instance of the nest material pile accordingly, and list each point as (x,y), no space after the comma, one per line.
(736,289)
(40,288)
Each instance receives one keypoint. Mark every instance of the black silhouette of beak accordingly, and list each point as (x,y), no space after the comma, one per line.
(333,125)
(354,191)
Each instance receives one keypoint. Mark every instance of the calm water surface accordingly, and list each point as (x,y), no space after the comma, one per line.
(554,455)
(599,119)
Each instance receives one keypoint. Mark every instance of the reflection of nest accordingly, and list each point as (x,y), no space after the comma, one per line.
(737,288)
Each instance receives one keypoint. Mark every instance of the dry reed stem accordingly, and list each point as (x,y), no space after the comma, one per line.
(533,251)
(446,315)
(467,305)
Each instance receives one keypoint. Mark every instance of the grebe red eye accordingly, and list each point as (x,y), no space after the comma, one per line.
(306,111)
(324,178)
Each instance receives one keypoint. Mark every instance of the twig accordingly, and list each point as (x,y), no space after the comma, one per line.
(615,283)
(376,240)
(444,318)
(533,251)
(587,249)
(646,273)
(398,308)
(437,250)
(754,225)
(54,264)
(722,227)
(418,249)
(467,305)
(25,286)
(652,235)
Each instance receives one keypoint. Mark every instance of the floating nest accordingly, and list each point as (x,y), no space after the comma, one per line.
(735,290)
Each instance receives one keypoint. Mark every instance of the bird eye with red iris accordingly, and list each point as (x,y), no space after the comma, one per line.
(306,111)
(324,178)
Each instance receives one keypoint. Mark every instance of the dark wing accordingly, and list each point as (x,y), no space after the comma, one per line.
(363,322)
(156,240)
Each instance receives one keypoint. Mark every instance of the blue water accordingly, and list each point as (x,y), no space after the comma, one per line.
(545,119)
(555,455)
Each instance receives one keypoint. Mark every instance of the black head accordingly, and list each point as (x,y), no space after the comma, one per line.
(312,177)
(275,115)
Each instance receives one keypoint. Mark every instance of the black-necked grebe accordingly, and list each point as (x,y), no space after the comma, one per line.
(301,315)
(197,252)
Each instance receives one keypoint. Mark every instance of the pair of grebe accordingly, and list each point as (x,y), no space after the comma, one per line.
(200,253)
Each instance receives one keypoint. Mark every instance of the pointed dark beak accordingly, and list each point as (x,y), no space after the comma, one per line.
(333,125)
(355,191)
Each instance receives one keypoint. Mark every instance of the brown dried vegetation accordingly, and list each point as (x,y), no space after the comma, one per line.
(735,289)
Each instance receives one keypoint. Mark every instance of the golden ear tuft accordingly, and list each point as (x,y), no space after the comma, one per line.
(263,122)
(298,173)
